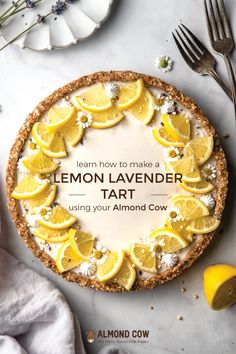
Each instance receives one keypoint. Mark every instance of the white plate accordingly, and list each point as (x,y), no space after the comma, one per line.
(78,22)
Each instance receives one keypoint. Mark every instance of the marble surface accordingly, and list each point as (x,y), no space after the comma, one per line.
(136,33)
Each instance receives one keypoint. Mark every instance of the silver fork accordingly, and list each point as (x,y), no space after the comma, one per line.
(197,56)
(221,37)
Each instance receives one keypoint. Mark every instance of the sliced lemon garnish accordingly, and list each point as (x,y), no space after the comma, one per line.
(66,259)
(178,126)
(163,137)
(81,243)
(143,257)
(39,163)
(126,275)
(72,132)
(200,148)
(106,119)
(143,109)
(201,187)
(180,226)
(94,99)
(58,220)
(220,286)
(49,235)
(41,135)
(187,167)
(203,225)
(129,94)
(190,207)
(169,240)
(45,198)
(57,147)
(28,188)
(57,117)
(111,265)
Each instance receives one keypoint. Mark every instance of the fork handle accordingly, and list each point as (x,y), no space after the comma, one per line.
(232,79)
(217,78)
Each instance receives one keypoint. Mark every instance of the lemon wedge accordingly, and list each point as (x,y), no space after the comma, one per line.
(190,207)
(49,235)
(81,243)
(202,187)
(200,148)
(111,266)
(94,99)
(57,147)
(66,259)
(180,226)
(143,257)
(203,225)
(39,163)
(169,240)
(129,94)
(187,167)
(58,220)
(106,119)
(220,286)
(163,137)
(126,275)
(57,117)
(143,109)
(41,135)
(72,132)
(28,188)
(178,126)
(45,198)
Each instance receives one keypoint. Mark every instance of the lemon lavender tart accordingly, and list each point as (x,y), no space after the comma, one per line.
(117,181)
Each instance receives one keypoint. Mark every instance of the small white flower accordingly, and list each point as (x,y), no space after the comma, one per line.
(169,107)
(112,90)
(99,254)
(173,153)
(208,200)
(164,62)
(209,172)
(43,212)
(174,215)
(170,259)
(84,119)
(33,145)
(159,101)
(21,167)
(88,269)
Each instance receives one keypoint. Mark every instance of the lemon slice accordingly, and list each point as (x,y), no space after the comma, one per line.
(143,257)
(45,198)
(187,167)
(129,94)
(163,137)
(180,226)
(169,240)
(81,243)
(94,99)
(49,235)
(178,126)
(200,148)
(111,265)
(41,135)
(220,286)
(39,163)
(203,225)
(202,187)
(28,188)
(57,117)
(58,220)
(190,207)
(143,109)
(72,132)
(126,275)
(106,119)
(66,259)
(57,147)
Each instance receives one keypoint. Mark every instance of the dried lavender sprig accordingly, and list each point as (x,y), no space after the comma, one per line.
(12,11)
(17,11)
(9,8)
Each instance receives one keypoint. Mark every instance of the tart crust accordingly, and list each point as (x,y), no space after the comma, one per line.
(43,106)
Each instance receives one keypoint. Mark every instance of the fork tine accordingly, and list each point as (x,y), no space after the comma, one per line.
(195,39)
(188,49)
(208,22)
(212,21)
(182,51)
(225,19)
(220,26)
(192,45)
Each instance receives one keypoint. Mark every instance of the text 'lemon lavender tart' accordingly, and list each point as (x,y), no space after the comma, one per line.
(117,181)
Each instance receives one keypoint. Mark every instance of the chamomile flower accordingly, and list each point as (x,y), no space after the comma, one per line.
(43,212)
(42,178)
(84,119)
(209,172)
(174,214)
(99,254)
(173,153)
(169,107)
(33,145)
(164,62)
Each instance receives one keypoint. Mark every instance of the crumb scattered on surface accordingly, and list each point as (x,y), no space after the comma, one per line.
(226,135)
(180,318)
(183,290)
(152,308)
(196,296)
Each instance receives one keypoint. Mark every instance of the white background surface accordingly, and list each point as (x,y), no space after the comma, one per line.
(136,33)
